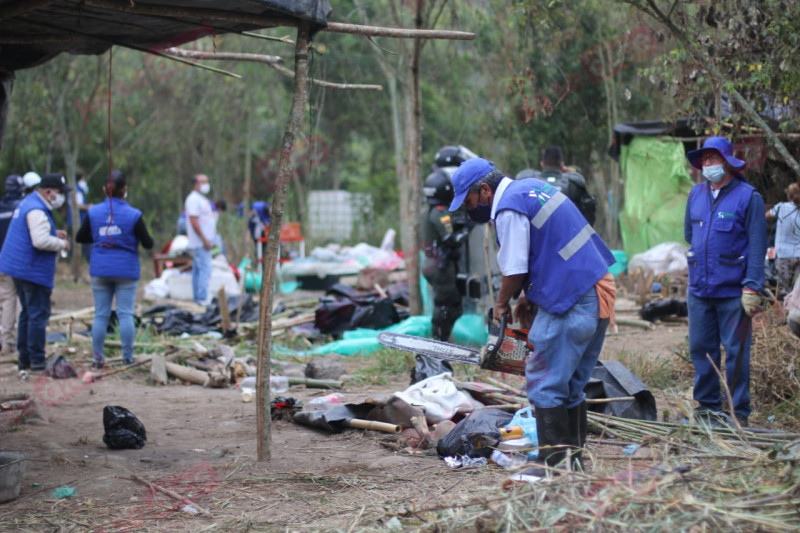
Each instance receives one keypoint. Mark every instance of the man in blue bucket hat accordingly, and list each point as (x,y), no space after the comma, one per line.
(726,228)
(551,255)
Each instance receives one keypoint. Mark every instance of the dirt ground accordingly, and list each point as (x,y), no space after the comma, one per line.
(202,445)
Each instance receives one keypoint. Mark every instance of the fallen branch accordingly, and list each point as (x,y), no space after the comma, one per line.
(316,383)
(635,322)
(172,494)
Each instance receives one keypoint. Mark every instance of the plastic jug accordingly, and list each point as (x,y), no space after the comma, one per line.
(277,384)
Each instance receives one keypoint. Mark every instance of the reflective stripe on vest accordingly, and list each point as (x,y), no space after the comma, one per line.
(576,243)
(548,209)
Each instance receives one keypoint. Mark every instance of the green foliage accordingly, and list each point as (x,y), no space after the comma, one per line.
(169,120)
(383,364)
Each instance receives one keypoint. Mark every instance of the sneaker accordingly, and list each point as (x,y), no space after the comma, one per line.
(127,362)
(98,365)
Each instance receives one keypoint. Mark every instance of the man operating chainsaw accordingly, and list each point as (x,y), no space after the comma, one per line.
(551,255)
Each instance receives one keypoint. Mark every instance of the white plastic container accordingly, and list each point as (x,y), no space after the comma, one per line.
(277,385)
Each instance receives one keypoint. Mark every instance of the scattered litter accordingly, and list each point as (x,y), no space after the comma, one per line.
(59,368)
(462,461)
(189,509)
(631,449)
(63,492)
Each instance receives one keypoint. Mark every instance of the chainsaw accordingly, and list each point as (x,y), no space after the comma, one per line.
(506,350)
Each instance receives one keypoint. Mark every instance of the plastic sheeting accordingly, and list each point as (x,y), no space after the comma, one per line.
(469,330)
(438,397)
(657,185)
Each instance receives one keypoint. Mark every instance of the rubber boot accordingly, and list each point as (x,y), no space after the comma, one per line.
(577,434)
(553,430)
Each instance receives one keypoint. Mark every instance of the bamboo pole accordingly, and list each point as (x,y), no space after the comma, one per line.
(266,21)
(272,61)
(293,127)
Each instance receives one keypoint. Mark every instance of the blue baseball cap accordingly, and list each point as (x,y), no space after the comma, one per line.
(468,173)
(721,145)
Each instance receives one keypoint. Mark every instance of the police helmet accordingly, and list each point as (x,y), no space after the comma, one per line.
(438,188)
(452,156)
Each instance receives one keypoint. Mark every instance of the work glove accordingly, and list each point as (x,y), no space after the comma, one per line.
(751,301)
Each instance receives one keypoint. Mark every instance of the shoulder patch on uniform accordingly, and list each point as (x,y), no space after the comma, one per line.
(445,219)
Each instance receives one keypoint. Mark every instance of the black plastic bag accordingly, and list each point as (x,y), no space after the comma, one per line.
(122,429)
(427,367)
(475,435)
(59,368)
(653,311)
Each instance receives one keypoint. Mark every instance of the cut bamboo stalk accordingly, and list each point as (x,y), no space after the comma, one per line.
(376,426)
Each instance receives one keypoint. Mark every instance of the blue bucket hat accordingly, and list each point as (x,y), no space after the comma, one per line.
(720,144)
(468,173)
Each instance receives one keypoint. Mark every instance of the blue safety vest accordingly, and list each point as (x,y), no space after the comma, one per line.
(566,256)
(19,259)
(115,253)
(718,252)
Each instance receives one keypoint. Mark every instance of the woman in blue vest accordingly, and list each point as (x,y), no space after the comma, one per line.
(116,229)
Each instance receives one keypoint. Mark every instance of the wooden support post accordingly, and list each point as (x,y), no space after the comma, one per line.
(225,314)
(285,173)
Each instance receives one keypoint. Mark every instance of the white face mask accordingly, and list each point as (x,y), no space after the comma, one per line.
(58,201)
(714,173)
(205,188)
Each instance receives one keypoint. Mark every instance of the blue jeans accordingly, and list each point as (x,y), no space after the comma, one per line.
(566,350)
(201,274)
(32,328)
(713,321)
(104,290)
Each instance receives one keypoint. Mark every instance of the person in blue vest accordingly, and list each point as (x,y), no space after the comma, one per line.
(29,256)
(116,229)
(725,226)
(549,255)
(8,293)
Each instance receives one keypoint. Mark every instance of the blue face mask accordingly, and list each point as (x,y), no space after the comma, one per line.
(481,214)
(714,173)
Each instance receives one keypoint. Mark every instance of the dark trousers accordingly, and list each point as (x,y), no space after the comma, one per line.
(32,328)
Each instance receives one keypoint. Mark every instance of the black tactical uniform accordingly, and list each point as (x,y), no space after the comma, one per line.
(443,235)
(572,184)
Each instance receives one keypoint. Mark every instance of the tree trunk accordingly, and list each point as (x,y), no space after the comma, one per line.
(413,184)
(285,173)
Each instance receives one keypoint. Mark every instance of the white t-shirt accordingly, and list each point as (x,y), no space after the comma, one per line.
(199,206)
(513,256)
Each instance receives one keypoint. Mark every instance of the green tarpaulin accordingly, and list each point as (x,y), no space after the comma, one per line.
(657,184)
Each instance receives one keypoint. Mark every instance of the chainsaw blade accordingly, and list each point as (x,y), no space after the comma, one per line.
(433,348)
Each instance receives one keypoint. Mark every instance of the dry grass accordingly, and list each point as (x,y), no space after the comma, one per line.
(774,365)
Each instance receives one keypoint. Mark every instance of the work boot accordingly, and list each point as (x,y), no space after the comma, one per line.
(577,434)
(553,430)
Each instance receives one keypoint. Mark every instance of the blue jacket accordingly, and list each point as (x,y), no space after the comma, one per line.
(18,258)
(566,256)
(115,253)
(727,238)
(8,205)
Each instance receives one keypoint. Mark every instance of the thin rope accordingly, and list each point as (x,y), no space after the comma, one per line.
(109,181)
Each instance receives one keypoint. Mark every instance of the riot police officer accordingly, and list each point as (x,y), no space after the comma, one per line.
(566,179)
